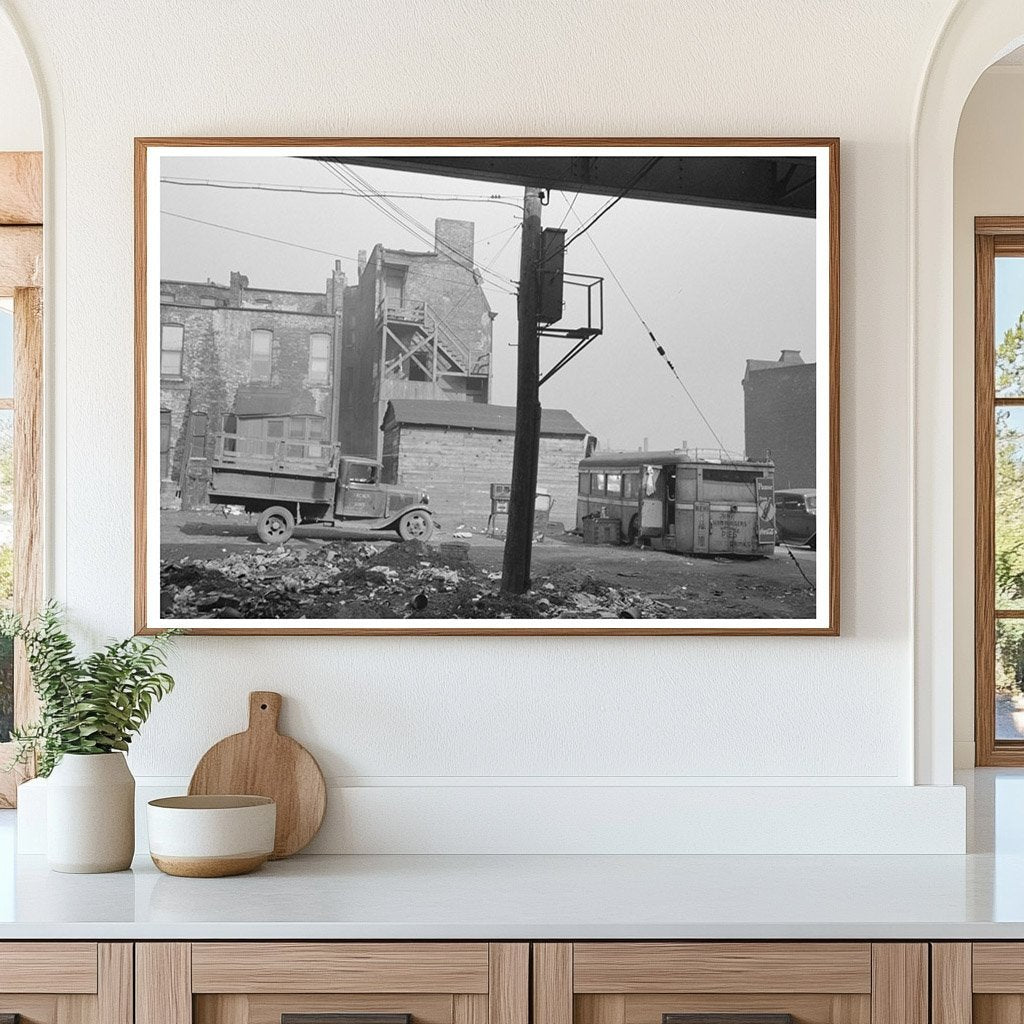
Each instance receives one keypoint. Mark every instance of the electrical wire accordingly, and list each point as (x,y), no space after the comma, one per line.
(404,219)
(285,241)
(440,197)
(584,228)
(426,239)
(693,401)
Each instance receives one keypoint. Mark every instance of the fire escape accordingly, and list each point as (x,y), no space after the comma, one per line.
(420,346)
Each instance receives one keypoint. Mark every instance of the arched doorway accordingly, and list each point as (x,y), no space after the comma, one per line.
(977,33)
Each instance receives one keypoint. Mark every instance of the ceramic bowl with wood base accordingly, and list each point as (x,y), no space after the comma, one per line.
(211,836)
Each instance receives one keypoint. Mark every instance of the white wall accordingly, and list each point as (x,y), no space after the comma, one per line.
(429,716)
(987,182)
(21,127)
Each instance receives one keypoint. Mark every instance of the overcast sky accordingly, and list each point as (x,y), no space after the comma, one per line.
(716,286)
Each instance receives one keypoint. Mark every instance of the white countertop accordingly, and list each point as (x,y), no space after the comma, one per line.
(977,896)
(497,897)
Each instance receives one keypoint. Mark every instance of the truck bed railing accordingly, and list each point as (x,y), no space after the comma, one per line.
(235,450)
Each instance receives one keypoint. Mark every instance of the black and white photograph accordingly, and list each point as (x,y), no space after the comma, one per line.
(469,387)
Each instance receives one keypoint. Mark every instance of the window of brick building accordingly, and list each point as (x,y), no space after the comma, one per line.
(260,355)
(319,358)
(172,349)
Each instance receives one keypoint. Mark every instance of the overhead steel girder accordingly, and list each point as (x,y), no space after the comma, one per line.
(765,184)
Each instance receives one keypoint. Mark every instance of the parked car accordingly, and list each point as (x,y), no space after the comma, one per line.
(796,516)
(296,483)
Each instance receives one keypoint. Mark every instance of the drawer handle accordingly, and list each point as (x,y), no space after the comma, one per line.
(338,1018)
(727,1018)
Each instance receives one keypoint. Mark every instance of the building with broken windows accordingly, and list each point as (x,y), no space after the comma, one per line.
(258,362)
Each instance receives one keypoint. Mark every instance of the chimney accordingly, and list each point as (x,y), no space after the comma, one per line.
(239,282)
(454,239)
(336,287)
(790,357)
(361,261)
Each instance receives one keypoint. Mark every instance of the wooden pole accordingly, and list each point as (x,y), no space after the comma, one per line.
(515,576)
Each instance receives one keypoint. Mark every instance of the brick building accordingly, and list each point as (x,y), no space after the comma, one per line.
(259,362)
(455,450)
(417,326)
(779,414)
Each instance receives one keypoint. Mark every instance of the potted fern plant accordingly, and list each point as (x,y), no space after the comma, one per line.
(90,708)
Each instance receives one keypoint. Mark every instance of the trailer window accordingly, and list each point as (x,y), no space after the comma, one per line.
(731,476)
(597,484)
(614,484)
(584,483)
(631,485)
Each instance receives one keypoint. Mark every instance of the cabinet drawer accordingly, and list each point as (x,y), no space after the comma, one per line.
(66,982)
(332,983)
(340,967)
(751,967)
(65,967)
(730,983)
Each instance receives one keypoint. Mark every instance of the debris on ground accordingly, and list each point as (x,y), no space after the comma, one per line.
(363,580)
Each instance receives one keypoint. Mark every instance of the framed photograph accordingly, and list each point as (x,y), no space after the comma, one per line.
(498,386)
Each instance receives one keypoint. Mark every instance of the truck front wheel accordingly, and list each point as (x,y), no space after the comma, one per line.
(416,526)
(275,525)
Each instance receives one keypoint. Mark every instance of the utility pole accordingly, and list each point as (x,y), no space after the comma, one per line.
(515,574)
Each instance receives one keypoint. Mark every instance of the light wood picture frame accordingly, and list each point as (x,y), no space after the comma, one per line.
(394,438)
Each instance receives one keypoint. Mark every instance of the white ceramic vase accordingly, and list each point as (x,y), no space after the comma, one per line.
(90,814)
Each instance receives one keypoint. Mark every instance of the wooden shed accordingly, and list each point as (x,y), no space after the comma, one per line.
(455,450)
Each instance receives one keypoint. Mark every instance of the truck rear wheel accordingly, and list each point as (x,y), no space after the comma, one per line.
(416,525)
(275,525)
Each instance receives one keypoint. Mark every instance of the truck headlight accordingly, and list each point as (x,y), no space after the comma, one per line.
(425,498)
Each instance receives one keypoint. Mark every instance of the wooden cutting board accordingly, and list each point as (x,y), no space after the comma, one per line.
(262,762)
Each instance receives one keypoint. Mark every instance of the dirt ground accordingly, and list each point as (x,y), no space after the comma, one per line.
(213,566)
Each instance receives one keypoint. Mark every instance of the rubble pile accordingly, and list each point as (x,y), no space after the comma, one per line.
(358,580)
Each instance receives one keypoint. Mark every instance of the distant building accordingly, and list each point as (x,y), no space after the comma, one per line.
(779,411)
(260,362)
(455,450)
(417,326)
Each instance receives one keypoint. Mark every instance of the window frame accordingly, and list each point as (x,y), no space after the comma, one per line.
(253,379)
(316,379)
(994,237)
(180,352)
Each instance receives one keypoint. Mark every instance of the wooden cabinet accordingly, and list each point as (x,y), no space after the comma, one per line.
(752,982)
(978,983)
(512,983)
(66,982)
(262,982)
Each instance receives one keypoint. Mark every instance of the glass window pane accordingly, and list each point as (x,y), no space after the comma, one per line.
(6,354)
(1009,510)
(6,567)
(1009,708)
(261,348)
(1009,326)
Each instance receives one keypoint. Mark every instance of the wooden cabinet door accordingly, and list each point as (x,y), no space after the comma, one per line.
(66,982)
(332,983)
(730,983)
(978,983)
